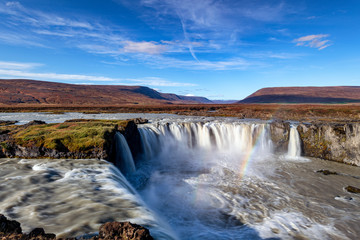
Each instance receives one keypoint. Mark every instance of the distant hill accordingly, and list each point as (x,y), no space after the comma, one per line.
(330,95)
(224,101)
(25,92)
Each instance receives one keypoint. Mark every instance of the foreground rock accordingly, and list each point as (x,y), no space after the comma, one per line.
(327,172)
(11,230)
(123,230)
(352,189)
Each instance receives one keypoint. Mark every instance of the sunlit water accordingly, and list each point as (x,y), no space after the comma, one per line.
(195,180)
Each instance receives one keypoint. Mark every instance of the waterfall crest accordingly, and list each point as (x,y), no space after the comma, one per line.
(124,159)
(233,139)
(294,147)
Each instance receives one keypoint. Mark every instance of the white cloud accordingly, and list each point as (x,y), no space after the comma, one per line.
(39,18)
(144,47)
(51,76)
(18,65)
(227,64)
(21,70)
(159,82)
(318,41)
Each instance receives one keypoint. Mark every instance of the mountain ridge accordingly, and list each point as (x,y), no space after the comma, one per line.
(25,91)
(327,95)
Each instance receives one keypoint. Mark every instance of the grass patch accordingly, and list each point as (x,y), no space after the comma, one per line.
(74,136)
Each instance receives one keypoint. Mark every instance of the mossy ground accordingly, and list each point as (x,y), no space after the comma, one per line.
(74,136)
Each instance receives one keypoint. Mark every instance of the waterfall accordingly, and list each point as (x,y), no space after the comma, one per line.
(294,147)
(124,160)
(229,138)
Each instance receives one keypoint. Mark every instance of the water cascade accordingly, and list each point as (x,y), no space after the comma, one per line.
(294,147)
(124,160)
(198,178)
(239,138)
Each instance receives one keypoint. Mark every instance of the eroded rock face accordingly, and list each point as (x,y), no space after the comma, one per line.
(335,142)
(133,138)
(279,131)
(9,147)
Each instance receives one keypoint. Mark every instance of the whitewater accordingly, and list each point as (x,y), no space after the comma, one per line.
(197,178)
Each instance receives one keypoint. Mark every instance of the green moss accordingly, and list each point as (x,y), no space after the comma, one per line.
(75,136)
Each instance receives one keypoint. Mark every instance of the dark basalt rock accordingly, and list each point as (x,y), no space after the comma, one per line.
(123,230)
(6,122)
(39,233)
(11,230)
(34,122)
(140,121)
(352,189)
(133,138)
(280,131)
(9,226)
(327,172)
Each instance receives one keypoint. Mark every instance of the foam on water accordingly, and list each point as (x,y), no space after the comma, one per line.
(51,192)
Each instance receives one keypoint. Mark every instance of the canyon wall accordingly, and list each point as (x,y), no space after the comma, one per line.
(338,142)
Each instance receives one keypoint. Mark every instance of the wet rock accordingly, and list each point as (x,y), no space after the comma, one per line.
(6,123)
(352,189)
(9,226)
(39,233)
(123,230)
(327,172)
(140,121)
(280,131)
(133,138)
(34,122)
(11,230)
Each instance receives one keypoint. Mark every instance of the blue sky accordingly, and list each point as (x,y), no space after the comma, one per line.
(220,49)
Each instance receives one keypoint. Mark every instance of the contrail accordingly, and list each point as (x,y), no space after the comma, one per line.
(186,37)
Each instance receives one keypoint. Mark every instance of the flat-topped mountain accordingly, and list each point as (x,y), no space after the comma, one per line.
(341,94)
(25,92)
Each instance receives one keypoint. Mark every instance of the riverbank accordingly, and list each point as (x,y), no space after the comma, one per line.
(296,112)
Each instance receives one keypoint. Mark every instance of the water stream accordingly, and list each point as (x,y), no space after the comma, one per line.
(197,179)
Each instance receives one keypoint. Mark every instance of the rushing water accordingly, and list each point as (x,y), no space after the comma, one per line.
(197,179)
(294,148)
(124,160)
(222,181)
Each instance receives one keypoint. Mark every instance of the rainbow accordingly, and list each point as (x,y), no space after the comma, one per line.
(249,153)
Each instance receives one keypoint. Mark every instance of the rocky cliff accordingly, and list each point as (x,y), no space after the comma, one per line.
(71,139)
(338,142)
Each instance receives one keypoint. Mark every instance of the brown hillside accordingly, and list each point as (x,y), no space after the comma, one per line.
(24,92)
(341,94)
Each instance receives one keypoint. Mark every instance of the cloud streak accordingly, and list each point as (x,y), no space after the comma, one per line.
(22,70)
(318,41)
(144,47)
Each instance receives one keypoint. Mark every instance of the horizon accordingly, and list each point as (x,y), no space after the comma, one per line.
(221,50)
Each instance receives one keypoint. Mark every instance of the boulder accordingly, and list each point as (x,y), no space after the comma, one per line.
(9,226)
(39,233)
(352,189)
(123,230)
